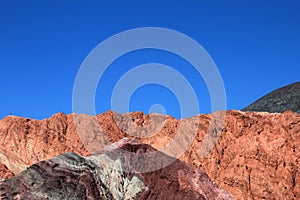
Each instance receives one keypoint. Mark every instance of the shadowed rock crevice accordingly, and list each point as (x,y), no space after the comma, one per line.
(5,172)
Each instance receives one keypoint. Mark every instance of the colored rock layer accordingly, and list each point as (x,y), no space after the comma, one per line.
(280,100)
(112,173)
(252,155)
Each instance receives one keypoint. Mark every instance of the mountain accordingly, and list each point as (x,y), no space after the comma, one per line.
(278,101)
(252,155)
(113,173)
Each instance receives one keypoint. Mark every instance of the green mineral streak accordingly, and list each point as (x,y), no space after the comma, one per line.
(112,175)
(133,188)
(111,178)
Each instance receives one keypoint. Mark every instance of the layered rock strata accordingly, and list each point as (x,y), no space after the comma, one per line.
(112,173)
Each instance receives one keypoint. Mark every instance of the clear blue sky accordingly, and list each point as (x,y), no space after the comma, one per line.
(255,45)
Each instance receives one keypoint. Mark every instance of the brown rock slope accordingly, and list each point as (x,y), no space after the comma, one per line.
(251,155)
(113,173)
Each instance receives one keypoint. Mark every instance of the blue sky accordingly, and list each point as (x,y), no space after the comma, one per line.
(255,45)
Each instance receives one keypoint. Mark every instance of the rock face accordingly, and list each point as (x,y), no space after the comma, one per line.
(257,156)
(112,173)
(24,142)
(280,100)
(252,155)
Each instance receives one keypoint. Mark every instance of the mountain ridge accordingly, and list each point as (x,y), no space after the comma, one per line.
(233,162)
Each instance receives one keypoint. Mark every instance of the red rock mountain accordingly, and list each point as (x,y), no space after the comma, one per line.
(252,155)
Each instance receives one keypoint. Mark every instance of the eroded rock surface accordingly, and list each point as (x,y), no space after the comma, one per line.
(253,155)
(112,173)
(24,141)
(257,156)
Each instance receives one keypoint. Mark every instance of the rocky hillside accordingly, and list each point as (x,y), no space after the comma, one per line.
(113,173)
(278,101)
(252,155)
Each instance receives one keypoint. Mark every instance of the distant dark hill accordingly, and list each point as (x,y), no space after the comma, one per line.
(280,100)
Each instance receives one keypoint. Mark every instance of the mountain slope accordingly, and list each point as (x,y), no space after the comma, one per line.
(280,100)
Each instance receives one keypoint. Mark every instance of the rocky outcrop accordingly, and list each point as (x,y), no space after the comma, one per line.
(257,156)
(5,172)
(24,141)
(112,173)
(253,155)
(278,101)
